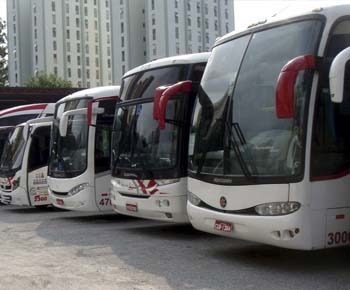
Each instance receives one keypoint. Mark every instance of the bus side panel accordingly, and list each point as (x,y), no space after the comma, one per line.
(338,227)
(38,187)
(102,192)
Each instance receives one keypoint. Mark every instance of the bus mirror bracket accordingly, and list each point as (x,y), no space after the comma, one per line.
(64,119)
(286,82)
(91,110)
(177,89)
(337,75)
(157,96)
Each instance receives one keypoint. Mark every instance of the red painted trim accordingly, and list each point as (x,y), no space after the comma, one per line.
(23,108)
(340,216)
(328,177)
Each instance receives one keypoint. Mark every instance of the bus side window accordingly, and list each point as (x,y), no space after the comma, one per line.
(330,152)
(104,126)
(39,148)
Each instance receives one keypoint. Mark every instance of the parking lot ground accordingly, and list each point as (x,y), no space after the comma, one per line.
(54,249)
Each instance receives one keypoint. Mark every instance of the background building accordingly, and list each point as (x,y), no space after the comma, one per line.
(71,39)
(94,42)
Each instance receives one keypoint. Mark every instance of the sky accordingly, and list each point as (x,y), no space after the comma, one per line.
(250,11)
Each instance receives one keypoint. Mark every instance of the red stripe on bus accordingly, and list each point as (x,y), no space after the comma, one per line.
(334,176)
(23,108)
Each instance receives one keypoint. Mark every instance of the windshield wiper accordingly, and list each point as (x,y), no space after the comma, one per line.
(238,151)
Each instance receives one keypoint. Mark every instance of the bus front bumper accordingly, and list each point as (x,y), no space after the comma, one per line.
(17,197)
(82,201)
(156,207)
(286,231)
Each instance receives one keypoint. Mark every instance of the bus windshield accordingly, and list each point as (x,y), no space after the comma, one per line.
(137,142)
(69,154)
(236,131)
(12,156)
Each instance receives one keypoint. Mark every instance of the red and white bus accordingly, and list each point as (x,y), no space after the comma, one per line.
(271,152)
(150,138)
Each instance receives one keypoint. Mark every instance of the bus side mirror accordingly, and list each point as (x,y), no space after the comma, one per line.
(157,95)
(337,75)
(179,88)
(286,82)
(64,119)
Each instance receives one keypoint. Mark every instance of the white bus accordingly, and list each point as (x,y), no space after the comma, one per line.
(150,139)
(23,164)
(79,166)
(271,151)
(17,115)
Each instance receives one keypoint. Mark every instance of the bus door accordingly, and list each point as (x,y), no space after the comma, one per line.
(38,158)
(104,124)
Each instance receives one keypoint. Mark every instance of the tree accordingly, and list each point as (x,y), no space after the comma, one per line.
(44,80)
(3,54)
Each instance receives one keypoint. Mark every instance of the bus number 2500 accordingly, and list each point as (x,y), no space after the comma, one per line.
(338,238)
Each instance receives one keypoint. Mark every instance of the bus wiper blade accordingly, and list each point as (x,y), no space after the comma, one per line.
(238,152)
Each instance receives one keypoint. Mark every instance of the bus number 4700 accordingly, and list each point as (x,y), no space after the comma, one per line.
(338,238)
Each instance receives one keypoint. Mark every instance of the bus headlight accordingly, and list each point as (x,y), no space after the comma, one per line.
(77,189)
(161,182)
(277,208)
(194,199)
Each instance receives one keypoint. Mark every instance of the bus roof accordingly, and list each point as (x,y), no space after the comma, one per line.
(96,93)
(292,11)
(24,109)
(173,60)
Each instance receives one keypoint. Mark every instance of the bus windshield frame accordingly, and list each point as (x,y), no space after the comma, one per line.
(236,137)
(69,154)
(13,153)
(139,148)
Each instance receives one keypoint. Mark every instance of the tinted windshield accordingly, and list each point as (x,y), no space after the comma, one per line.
(69,153)
(143,84)
(138,142)
(236,131)
(4,135)
(16,120)
(12,156)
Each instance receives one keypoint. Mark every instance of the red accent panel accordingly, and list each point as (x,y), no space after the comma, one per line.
(334,176)
(23,108)
(106,99)
(181,87)
(157,95)
(340,216)
(286,82)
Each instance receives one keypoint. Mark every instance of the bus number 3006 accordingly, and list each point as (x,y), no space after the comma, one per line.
(338,238)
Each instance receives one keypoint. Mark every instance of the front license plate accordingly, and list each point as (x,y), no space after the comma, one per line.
(223,226)
(131,207)
(60,201)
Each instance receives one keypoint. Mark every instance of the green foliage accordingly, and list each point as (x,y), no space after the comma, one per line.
(3,54)
(44,80)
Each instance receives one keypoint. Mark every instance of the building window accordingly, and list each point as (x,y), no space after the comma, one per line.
(54,19)
(69,59)
(87,73)
(78,60)
(67,21)
(35,21)
(86,11)
(87,61)
(122,41)
(176,17)
(153,34)
(54,45)
(77,22)
(97,62)
(55,58)
(109,63)
(77,10)
(97,74)
(54,32)
(55,70)
(53,6)
(68,34)
(122,27)
(78,47)
(78,35)
(153,5)
(177,32)
(123,55)
(69,72)
(79,72)
(86,22)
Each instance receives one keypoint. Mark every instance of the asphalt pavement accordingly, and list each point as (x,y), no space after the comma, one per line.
(54,249)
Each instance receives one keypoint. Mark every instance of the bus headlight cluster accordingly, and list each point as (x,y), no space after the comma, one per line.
(77,189)
(277,208)
(194,199)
